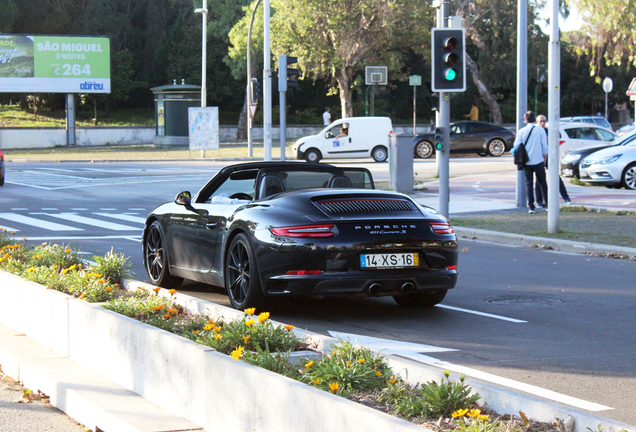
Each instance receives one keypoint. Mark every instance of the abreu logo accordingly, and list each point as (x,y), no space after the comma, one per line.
(91,86)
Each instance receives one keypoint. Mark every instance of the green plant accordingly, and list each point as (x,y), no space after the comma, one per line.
(112,266)
(276,362)
(475,421)
(447,396)
(347,369)
(405,400)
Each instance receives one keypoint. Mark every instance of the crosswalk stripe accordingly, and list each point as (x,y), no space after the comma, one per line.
(125,217)
(51,226)
(6,228)
(94,222)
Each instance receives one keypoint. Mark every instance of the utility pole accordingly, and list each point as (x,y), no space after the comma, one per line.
(250,94)
(522,89)
(204,48)
(267,87)
(554,113)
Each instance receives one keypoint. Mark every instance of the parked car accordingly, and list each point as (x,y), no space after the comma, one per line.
(265,230)
(613,167)
(365,136)
(578,135)
(626,129)
(570,161)
(599,120)
(1,168)
(468,137)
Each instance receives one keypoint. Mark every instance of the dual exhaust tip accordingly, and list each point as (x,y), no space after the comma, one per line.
(377,288)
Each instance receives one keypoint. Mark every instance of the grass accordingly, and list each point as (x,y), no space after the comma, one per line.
(575,223)
(12,116)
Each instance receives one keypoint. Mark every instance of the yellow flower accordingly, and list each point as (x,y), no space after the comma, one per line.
(238,352)
(378,373)
(474,413)
(249,322)
(208,327)
(24,238)
(392,380)
(334,386)
(83,295)
(309,364)
(289,327)
(348,364)
(218,336)
(250,311)
(158,308)
(246,338)
(316,381)
(68,250)
(172,292)
(460,413)
(217,329)
(483,417)
(361,361)
(196,332)
(263,317)
(109,289)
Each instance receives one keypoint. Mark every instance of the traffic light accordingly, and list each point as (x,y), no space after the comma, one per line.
(439,139)
(448,58)
(257,91)
(287,77)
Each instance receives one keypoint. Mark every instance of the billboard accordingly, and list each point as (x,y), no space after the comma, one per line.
(54,64)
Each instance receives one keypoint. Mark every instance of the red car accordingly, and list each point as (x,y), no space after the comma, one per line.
(1,168)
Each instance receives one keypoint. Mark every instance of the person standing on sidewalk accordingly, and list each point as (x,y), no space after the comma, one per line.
(537,148)
(541,202)
(326,116)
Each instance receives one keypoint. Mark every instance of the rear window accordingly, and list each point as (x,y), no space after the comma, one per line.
(479,127)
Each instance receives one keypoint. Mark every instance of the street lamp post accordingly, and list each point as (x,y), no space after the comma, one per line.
(204,47)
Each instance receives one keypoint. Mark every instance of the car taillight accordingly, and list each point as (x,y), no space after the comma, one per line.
(561,142)
(303,272)
(304,231)
(452,267)
(441,227)
(1,156)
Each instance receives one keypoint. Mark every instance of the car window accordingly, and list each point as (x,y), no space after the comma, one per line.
(605,135)
(230,187)
(333,132)
(458,128)
(582,133)
(602,122)
(479,127)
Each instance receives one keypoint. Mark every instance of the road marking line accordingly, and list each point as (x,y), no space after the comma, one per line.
(77,238)
(49,209)
(125,217)
(513,384)
(108,209)
(94,222)
(14,209)
(137,209)
(51,226)
(9,229)
(503,318)
(79,209)
(57,175)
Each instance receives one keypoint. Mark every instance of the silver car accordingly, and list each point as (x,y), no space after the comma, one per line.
(613,167)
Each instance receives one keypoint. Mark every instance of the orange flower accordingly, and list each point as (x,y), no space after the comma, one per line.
(378,373)
(309,364)
(474,413)
(109,289)
(68,250)
(167,316)
(101,281)
(246,338)
(218,336)
(289,327)
(348,364)
(83,295)
(483,417)
(316,381)
(158,308)
(208,327)
(250,311)
(361,361)
(249,322)
(217,329)
(172,292)
(211,322)
(460,413)
(156,290)
(392,380)
(263,317)
(334,386)
(196,332)
(173,311)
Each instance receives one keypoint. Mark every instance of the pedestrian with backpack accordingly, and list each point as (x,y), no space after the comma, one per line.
(536,146)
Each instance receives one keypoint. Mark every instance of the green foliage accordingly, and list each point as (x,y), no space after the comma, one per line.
(114,267)
(276,362)
(352,367)
(478,425)
(405,400)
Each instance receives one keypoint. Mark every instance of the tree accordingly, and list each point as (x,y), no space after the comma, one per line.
(611,29)
(335,39)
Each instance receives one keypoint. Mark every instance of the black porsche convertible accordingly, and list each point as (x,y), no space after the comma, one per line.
(270,229)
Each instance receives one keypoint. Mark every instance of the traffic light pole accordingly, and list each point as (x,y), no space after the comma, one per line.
(267,87)
(522,89)
(443,121)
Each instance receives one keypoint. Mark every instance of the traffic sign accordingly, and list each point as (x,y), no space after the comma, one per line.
(631,91)
(252,110)
(608,84)
(415,80)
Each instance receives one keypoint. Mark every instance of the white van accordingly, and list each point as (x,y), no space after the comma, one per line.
(362,137)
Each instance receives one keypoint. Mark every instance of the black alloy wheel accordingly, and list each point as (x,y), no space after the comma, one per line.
(156,258)
(421,299)
(496,147)
(241,275)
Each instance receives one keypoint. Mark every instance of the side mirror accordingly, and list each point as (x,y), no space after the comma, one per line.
(184,198)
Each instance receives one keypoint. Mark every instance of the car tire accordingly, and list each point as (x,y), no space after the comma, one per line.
(313,155)
(379,154)
(421,299)
(1,181)
(242,283)
(156,258)
(424,149)
(496,147)
(628,180)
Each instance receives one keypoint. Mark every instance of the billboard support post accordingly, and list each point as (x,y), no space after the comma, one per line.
(70,120)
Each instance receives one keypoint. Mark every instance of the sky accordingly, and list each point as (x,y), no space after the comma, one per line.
(574,21)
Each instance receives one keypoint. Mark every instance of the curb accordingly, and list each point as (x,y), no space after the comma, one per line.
(586,248)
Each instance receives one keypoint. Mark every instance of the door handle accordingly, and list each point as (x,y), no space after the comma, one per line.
(210,225)
(349,139)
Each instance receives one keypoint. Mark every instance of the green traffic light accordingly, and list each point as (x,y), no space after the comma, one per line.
(438,146)
(450,74)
